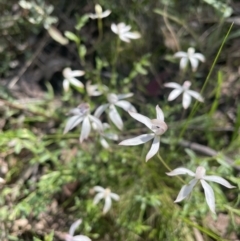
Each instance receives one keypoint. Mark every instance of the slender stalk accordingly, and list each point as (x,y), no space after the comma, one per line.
(114,63)
(168,168)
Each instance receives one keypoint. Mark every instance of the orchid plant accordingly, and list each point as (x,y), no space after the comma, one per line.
(115,100)
(157,126)
(107,194)
(123,32)
(199,175)
(187,93)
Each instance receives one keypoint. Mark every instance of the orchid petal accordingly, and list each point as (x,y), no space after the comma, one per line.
(186,190)
(137,140)
(100,110)
(105,14)
(194,62)
(81,238)
(127,106)
(186,101)
(173,85)
(114,196)
(114,28)
(154,148)
(199,57)
(98,189)
(209,195)
(86,128)
(72,122)
(180,54)
(124,39)
(219,180)
(95,120)
(132,35)
(98,197)
(115,117)
(181,171)
(104,143)
(124,96)
(141,118)
(74,226)
(196,95)
(107,205)
(174,94)
(66,85)
(183,63)
(75,82)
(160,115)
(76,73)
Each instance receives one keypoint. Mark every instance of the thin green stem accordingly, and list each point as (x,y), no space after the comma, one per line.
(168,168)
(114,62)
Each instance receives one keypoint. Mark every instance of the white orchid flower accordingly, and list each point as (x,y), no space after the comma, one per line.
(99,13)
(116,100)
(69,78)
(2,180)
(199,176)
(70,237)
(190,56)
(82,114)
(107,195)
(123,31)
(105,134)
(94,90)
(157,126)
(184,89)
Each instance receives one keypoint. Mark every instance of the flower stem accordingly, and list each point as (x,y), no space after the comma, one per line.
(168,168)
(114,63)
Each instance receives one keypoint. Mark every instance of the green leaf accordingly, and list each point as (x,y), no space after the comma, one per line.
(71,36)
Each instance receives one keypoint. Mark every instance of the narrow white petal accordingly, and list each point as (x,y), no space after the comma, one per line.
(141,118)
(199,57)
(104,143)
(154,148)
(74,226)
(98,197)
(93,16)
(160,115)
(185,190)
(173,85)
(183,63)
(100,110)
(115,117)
(181,171)
(66,85)
(97,122)
(137,140)
(124,39)
(75,82)
(114,196)
(209,195)
(114,28)
(86,128)
(219,180)
(127,106)
(186,101)
(77,73)
(107,205)
(124,28)
(124,96)
(105,13)
(174,94)
(132,35)
(80,238)
(180,54)
(194,62)
(196,95)
(72,122)
(99,189)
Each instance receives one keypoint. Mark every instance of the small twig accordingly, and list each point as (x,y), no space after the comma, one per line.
(207,151)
